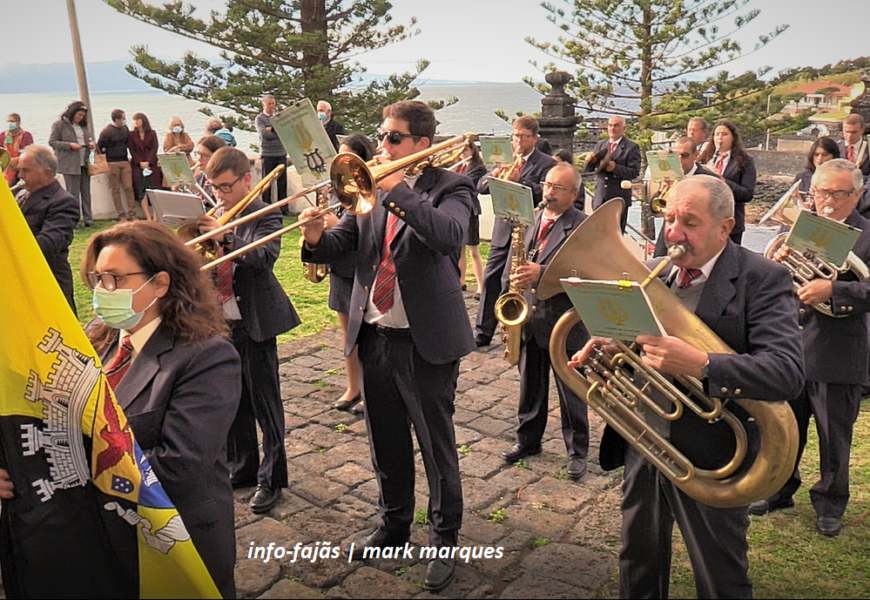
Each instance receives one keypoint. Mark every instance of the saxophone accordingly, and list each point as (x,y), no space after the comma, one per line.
(511,309)
(312,271)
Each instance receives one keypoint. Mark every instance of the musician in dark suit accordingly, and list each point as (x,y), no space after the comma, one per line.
(181,383)
(258,310)
(529,168)
(836,350)
(552,227)
(688,151)
(853,147)
(624,164)
(409,318)
(729,160)
(50,212)
(748,302)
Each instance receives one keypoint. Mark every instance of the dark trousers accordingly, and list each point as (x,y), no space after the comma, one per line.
(715,538)
(835,407)
(402,389)
(495,283)
(260,403)
(535,368)
(268,165)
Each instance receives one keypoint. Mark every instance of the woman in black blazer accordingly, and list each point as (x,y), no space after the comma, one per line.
(474,169)
(822,150)
(726,157)
(181,390)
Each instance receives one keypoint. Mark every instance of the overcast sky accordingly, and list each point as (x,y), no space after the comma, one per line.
(465,40)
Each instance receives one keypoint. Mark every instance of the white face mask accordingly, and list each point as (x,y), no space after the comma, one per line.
(115,308)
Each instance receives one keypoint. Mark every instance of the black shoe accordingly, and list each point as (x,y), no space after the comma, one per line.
(464,287)
(265,499)
(518,451)
(359,409)
(762,507)
(476,297)
(378,538)
(482,340)
(828,526)
(348,404)
(576,468)
(439,574)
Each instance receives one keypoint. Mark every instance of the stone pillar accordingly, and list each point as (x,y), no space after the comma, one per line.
(861,104)
(558,123)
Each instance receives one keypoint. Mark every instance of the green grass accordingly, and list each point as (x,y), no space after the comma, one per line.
(309,299)
(787,558)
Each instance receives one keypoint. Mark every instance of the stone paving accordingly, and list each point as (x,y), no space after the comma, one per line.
(559,537)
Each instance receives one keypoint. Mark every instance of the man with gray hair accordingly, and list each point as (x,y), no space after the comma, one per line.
(622,162)
(836,350)
(333,128)
(748,301)
(50,211)
(698,130)
(272,151)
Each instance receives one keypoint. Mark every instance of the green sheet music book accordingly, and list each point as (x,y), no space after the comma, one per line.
(823,238)
(664,166)
(613,309)
(512,201)
(305,140)
(176,169)
(496,150)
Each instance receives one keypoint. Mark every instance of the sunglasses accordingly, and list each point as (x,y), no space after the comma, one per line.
(394,137)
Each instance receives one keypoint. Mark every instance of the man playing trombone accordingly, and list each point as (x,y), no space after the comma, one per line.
(836,351)
(409,319)
(258,310)
(749,303)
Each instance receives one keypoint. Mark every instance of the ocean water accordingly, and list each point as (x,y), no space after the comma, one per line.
(473,111)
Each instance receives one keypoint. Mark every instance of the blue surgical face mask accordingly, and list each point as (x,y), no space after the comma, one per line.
(12,126)
(146,172)
(321,115)
(116,308)
(124,123)
(177,129)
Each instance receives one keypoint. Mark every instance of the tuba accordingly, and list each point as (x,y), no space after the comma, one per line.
(595,251)
(804,269)
(511,308)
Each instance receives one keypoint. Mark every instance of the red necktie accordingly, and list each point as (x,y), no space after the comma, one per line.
(545,227)
(116,369)
(686,277)
(462,168)
(720,161)
(385,281)
(612,147)
(224,279)
(850,153)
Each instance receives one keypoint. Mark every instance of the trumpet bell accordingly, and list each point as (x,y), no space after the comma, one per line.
(354,183)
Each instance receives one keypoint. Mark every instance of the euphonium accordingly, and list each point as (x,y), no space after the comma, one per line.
(511,309)
(595,251)
(314,272)
(804,269)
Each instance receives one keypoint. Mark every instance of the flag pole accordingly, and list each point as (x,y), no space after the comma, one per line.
(80,62)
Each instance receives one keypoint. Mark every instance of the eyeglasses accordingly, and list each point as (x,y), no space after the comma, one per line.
(826,194)
(521,136)
(109,281)
(395,137)
(554,186)
(226,188)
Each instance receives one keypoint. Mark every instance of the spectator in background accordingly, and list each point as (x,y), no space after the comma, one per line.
(215,127)
(177,140)
(72,144)
(822,150)
(333,128)
(16,140)
(474,169)
(205,147)
(50,211)
(113,143)
(562,155)
(143,145)
(272,151)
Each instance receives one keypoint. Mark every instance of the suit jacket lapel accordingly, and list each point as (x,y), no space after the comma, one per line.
(719,288)
(145,367)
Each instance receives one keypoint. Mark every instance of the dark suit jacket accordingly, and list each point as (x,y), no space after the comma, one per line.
(52,214)
(544,313)
(180,400)
(837,349)
(534,171)
(433,218)
(627,159)
(266,309)
(805,177)
(864,201)
(333,130)
(865,160)
(475,175)
(742,184)
(750,303)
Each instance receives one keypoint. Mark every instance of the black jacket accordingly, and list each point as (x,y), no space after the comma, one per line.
(608,184)
(333,130)
(113,143)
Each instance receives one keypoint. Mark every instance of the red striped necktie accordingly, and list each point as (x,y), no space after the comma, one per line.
(385,281)
(720,161)
(686,277)
(116,369)
(612,147)
(850,154)
(224,279)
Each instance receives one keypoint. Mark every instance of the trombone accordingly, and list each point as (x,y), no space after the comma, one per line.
(354,182)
